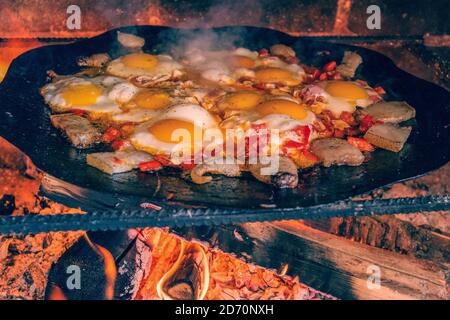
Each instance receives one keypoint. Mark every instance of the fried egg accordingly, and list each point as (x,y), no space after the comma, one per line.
(143,106)
(88,94)
(282,114)
(161,135)
(339,96)
(228,67)
(143,64)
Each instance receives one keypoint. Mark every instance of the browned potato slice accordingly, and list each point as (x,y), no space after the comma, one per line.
(388,136)
(285,177)
(282,51)
(350,62)
(79,130)
(117,162)
(392,111)
(336,151)
(129,40)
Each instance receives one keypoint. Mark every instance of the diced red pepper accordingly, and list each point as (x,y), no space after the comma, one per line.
(304,132)
(150,166)
(323,76)
(118,144)
(164,161)
(338,133)
(110,135)
(360,143)
(348,118)
(78,112)
(379,90)
(263,53)
(291,144)
(330,66)
(316,74)
(366,123)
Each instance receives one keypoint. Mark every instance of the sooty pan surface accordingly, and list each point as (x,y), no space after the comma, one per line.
(24,121)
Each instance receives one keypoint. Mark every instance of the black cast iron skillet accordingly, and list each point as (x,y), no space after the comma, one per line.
(24,121)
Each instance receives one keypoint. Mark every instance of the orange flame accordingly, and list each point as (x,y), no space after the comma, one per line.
(110,267)
(10,49)
(56,293)
(186,256)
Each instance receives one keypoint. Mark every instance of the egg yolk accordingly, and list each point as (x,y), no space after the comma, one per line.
(346,89)
(152,100)
(271,75)
(241,61)
(282,106)
(243,100)
(82,94)
(164,131)
(140,60)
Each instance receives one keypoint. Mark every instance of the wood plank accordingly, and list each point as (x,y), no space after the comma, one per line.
(327,262)
(401,276)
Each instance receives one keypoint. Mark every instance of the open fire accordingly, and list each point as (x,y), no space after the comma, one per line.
(165,265)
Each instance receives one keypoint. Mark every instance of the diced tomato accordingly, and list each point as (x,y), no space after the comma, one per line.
(78,112)
(330,66)
(366,123)
(110,135)
(360,143)
(150,166)
(348,118)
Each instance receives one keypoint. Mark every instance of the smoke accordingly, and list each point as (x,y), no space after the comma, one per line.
(244,12)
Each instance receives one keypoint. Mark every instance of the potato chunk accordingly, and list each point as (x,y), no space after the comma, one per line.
(117,162)
(336,151)
(388,136)
(79,130)
(392,111)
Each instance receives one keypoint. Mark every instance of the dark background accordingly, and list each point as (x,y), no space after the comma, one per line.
(46,18)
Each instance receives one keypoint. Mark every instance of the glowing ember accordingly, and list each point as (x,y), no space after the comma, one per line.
(199,272)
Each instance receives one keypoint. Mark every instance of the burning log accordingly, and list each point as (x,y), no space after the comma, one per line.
(201,272)
(188,278)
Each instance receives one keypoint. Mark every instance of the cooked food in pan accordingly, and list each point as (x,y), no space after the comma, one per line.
(224,112)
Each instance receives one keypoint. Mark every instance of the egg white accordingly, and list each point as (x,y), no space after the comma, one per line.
(166,66)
